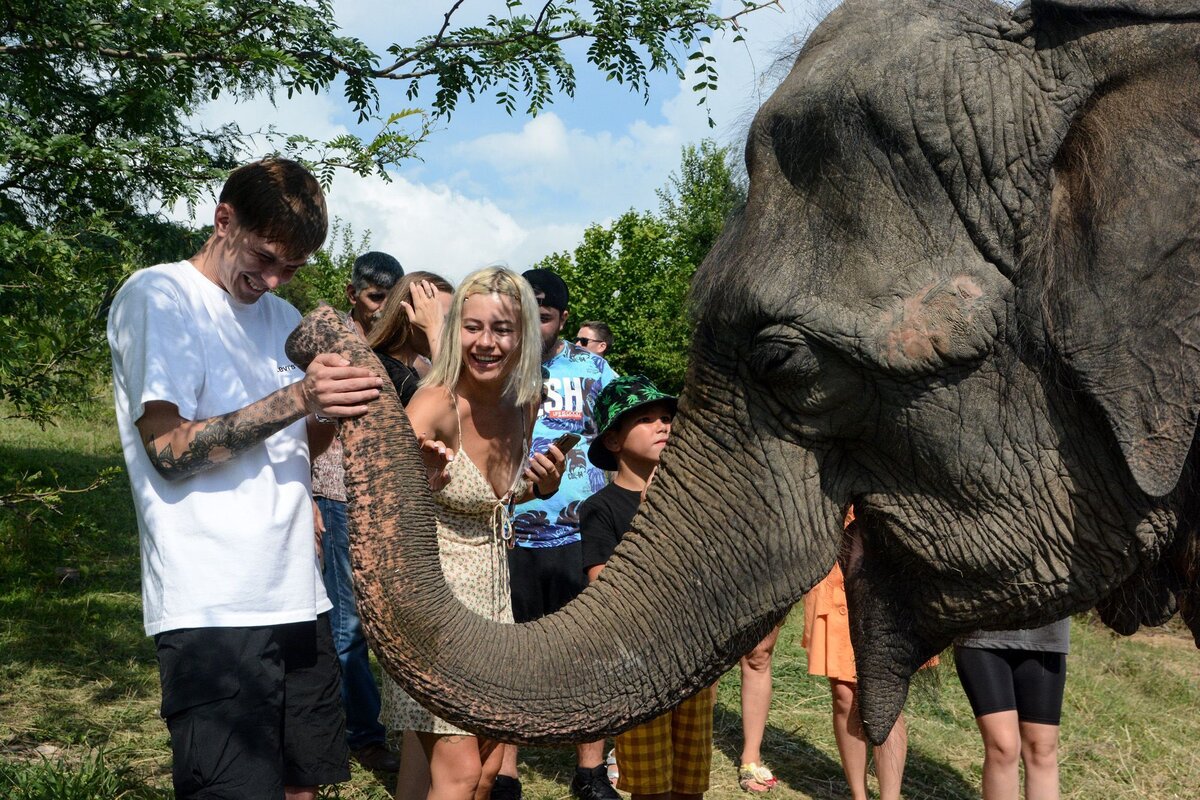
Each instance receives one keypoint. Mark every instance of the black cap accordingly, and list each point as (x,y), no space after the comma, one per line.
(548,288)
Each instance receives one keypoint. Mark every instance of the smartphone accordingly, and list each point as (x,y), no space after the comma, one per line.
(565,442)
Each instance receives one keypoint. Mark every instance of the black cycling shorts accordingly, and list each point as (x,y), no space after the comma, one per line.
(544,579)
(252,710)
(1027,681)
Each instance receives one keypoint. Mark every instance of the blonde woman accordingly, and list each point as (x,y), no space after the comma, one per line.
(409,329)
(473,415)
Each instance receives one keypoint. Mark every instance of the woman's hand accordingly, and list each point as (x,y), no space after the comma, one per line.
(545,471)
(319,532)
(437,457)
(425,311)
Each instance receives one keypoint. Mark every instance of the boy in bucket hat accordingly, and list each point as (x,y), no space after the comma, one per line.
(671,754)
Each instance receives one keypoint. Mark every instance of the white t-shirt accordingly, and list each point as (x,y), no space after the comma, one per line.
(232,546)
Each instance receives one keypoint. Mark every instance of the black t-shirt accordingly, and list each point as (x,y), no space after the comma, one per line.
(404,377)
(603,520)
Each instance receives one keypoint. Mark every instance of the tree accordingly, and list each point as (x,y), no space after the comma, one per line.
(324,277)
(96,98)
(634,274)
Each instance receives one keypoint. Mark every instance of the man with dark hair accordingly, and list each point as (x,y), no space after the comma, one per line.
(373,276)
(371,280)
(546,565)
(595,336)
(216,426)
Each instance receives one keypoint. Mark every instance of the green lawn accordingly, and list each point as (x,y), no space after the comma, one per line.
(79,685)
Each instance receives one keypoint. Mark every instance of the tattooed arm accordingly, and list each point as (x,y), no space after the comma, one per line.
(179,448)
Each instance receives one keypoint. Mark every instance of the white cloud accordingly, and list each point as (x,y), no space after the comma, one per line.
(542,140)
(431,226)
(548,168)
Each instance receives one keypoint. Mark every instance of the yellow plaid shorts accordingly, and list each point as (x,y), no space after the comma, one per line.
(671,753)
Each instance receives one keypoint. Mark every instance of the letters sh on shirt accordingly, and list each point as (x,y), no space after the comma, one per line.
(574,378)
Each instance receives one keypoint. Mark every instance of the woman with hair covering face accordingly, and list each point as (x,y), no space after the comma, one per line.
(409,329)
(473,416)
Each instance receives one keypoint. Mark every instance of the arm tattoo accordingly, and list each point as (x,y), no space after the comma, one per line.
(218,439)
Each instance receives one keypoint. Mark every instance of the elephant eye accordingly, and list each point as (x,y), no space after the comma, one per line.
(780,353)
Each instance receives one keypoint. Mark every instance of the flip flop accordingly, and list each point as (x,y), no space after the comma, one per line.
(756,778)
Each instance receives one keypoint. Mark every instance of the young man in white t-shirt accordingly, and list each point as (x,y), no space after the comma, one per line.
(217,427)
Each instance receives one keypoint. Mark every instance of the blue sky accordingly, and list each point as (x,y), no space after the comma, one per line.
(491,188)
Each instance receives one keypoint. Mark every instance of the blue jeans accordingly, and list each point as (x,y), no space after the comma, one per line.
(360,695)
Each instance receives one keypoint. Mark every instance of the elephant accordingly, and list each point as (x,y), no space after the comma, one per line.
(963,295)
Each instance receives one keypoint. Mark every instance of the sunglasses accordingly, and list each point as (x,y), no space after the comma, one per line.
(583,341)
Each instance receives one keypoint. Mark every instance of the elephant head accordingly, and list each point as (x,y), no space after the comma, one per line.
(963,295)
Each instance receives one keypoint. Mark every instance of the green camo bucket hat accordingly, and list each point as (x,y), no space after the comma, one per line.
(621,395)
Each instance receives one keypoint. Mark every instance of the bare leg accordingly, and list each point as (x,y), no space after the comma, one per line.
(1039,751)
(851,742)
(889,761)
(455,766)
(491,753)
(590,754)
(508,761)
(300,792)
(1001,752)
(756,697)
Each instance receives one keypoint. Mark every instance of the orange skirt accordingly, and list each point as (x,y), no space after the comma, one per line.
(827,627)
(827,630)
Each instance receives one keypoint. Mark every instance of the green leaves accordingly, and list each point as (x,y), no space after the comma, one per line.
(634,274)
(521,54)
(323,279)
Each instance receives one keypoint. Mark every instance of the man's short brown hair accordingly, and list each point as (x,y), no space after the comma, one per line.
(601,329)
(281,201)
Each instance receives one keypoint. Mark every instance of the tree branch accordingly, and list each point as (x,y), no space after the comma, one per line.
(439,42)
(534,32)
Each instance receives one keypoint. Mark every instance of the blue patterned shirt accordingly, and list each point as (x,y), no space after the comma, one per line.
(576,377)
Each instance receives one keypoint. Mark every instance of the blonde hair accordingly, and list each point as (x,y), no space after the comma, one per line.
(524,382)
(393,330)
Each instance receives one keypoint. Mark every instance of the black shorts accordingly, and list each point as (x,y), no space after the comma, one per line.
(1027,681)
(544,579)
(252,710)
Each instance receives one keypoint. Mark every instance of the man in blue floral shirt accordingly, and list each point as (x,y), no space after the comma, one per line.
(546,566)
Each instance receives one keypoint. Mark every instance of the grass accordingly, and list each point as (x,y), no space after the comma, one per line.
(79,684)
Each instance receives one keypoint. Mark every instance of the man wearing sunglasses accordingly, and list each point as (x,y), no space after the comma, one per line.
(595,336)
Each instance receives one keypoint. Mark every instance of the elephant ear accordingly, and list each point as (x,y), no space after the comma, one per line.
(1121,257)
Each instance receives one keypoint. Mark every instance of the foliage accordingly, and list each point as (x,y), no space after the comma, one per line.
(55,286)
(54,780)
(98,130)
(323,279)
(634,273)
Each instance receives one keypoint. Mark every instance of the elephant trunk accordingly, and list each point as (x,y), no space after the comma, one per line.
(702,577)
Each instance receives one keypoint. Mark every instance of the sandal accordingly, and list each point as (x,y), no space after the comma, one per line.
(756,778)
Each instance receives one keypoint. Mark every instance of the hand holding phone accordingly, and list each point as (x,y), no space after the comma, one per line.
(565,442)
(545,470)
